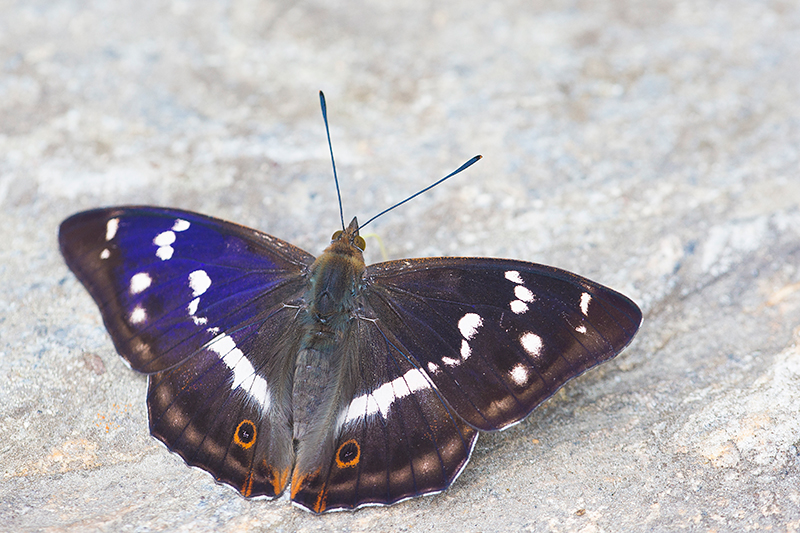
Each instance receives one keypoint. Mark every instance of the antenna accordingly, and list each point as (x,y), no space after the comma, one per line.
(330,147)
(429,187)
(336,177)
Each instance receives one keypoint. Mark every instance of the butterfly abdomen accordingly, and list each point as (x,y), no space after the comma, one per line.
(323,361)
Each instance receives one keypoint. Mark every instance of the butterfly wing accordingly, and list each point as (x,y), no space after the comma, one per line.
(199,304)
(498,337)
(392,436)
(443,346)
(227,409)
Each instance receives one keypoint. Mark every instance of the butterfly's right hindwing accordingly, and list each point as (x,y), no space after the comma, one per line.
(393,436)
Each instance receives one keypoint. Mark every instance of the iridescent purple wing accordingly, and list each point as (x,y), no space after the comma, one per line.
(205,307)
(167,280)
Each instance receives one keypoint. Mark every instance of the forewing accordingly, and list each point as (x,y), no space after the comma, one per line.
(498,337)
(200,305)
(164,279)
(393,435)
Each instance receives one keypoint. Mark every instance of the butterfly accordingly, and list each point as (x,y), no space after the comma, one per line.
(349,385)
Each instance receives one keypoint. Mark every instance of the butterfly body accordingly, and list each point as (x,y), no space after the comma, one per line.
(348,384)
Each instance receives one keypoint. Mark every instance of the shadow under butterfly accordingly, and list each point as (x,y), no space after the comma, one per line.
(353,385)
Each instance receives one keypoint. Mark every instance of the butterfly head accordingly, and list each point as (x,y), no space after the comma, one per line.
(350,236)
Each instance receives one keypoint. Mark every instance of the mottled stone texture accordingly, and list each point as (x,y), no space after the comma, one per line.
(651,146)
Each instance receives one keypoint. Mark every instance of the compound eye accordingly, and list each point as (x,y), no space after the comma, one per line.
(336,235)
(360,243)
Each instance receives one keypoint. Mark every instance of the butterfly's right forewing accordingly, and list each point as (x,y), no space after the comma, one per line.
(498,337)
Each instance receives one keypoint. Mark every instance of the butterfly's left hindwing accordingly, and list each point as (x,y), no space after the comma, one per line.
(198,303)
(227,408)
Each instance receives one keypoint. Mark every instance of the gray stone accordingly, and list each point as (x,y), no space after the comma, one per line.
(651,146)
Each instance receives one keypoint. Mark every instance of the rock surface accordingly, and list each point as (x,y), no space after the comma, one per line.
(650,146)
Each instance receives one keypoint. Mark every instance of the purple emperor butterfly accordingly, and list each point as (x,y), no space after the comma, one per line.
(348,384)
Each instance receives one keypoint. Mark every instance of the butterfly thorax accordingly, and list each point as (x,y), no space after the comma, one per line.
(335,278)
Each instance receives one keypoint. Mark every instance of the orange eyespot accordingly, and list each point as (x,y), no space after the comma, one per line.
(245,434)
(348,454)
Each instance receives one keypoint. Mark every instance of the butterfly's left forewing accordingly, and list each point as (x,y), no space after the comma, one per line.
(206,308)
(164,279)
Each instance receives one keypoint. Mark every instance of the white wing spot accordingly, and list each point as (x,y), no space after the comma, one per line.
(519,375)
(449,361)
(111,228)
(468,325)
(513,275)
(581,329)
(524,294)
(381,399)
(432,368)
(138,315)
(140,282)
(199,282)
(180,225)
(192,307)
(163,240)
(531,343)
(518,307)
(165,252)
(244,375)
(466,350)
(198,320)
(585,299)
(105,254)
